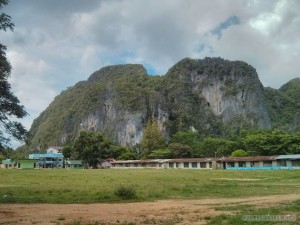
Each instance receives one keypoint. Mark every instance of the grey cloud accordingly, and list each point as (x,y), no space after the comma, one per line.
(76,37)
(52,7)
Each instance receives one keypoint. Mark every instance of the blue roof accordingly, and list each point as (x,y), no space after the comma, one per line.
(296,156)
(47,155)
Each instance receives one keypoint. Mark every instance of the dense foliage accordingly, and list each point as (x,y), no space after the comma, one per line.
(152,139)
(9,104)
(284,106)
(90,147)
(252,142)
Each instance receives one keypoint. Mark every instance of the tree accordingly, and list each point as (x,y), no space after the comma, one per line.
(152,139)
(91,147)
(68,151)
(267,142)
(160,154)
(185,137)
(120,153)
(9,104)
(180,151)
(239,153)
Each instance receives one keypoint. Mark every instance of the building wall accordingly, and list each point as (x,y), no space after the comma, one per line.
(251,163)
(26,165)
(7,166)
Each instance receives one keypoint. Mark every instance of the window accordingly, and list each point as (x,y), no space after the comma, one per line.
(296,162)
(202,164)
(210,164)
(267,163)
(242,164)
(194,165)
(177,165)
(281,163)
(230,164)
(171,165)
(186,165)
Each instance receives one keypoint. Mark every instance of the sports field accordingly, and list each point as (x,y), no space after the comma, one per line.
(93,186)
(147,186)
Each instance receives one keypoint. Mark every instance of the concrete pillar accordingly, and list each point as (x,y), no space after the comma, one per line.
(207,165)
(214,165)
(288,163)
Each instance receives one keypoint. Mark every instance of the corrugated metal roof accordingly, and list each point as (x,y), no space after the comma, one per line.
(142,161)
(7,161)
(223,159)
(74,162)
(247,158)
(26,160)
(191,160)
(295,156)
(46,155)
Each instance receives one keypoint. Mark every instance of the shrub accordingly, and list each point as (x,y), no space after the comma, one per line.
(125,192)
(239,153)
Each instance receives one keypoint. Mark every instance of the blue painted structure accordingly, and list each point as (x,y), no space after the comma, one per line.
(281,162)
(261,168)
(49,160)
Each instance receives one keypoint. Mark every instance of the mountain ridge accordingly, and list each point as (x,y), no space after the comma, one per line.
(212,95)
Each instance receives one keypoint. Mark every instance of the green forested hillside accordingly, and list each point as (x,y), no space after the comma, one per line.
(284,105)
(214,96)
(126,85)
(291,89)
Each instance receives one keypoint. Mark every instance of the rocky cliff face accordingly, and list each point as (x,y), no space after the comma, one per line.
(231,89)
(208,95)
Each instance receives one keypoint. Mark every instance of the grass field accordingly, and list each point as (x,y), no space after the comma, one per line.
(288,208)
(93,186)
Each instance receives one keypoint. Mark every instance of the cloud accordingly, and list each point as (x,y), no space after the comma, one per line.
(29,81)
(56,45)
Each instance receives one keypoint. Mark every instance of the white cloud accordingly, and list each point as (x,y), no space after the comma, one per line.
(30,82)
(56,45)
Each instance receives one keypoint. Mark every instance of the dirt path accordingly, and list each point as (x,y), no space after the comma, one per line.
(158,212)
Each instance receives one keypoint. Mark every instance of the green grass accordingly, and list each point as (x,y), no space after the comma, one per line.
(91,186)
(284,209)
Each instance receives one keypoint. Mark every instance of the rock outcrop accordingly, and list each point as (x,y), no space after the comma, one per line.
(212,95)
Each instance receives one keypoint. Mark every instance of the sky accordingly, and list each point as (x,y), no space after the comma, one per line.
(57,43)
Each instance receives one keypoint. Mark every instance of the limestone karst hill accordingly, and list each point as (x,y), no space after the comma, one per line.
(210,95)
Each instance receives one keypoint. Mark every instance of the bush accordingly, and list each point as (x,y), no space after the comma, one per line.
(125,192)
(239,153)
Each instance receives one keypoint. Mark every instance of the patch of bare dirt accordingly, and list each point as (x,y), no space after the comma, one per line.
(158,212)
